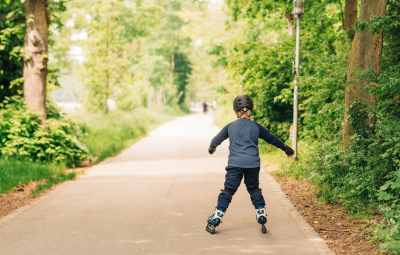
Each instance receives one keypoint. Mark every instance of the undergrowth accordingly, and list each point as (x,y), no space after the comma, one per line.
(30,151)
(366,178)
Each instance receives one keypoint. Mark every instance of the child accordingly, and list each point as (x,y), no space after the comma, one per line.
(243,160)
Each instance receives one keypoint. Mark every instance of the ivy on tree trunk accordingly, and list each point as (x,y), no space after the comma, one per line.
(366,53)
(36,55)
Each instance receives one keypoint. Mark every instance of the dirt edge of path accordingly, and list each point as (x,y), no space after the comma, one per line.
(343,234)
(22,195)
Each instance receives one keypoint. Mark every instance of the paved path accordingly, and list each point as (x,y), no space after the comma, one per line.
(154,198)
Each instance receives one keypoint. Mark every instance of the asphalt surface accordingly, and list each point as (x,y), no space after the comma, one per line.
(154,198)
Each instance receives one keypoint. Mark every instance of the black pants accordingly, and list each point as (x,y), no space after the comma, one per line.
(233,178)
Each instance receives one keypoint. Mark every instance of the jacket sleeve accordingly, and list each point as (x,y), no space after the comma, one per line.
(222,136)
(268,137)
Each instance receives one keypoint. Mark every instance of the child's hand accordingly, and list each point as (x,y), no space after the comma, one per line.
(289,151)
(211,150)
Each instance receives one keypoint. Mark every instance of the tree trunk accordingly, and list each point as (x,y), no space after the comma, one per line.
(350,16)
(366,53)
(36,50)
(289,18)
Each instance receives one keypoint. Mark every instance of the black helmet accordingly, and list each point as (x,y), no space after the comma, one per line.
(242,101)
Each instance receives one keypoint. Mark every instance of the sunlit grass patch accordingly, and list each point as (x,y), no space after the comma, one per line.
(224,115)
(270,154)
(55,179)
(14,172)
(108,134)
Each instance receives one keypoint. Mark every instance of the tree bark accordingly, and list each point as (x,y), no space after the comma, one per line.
(366,53)
(36,50)
(350,16)
(289,18)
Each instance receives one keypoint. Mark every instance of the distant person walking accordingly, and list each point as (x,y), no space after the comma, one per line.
(205,107)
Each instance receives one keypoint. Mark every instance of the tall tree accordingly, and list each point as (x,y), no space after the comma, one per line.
(36,54)
(366,53)
(181,75)
(350,16)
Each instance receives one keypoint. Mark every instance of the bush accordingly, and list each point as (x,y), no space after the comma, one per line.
(387,232)
(22,135)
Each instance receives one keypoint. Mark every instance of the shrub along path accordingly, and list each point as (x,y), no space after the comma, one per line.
(154,198)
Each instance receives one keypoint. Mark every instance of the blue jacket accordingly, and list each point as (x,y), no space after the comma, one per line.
(243,137)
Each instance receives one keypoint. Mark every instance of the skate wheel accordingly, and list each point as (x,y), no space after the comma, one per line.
(263,228)
(210,228)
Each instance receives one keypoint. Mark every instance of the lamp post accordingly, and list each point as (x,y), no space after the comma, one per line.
(298,11)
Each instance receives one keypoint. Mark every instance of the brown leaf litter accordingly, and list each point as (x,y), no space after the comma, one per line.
(344,234)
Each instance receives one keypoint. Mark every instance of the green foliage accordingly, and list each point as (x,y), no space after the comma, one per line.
(264,69)
(12,30)
(22,135)
(17,171)
(31,150)
(132,51)
(108,134)
(167,40)
(106,73)
(387,232)
(224,115)
(181,75)
(377,23)
(259,57)
(264,72)
(12,33)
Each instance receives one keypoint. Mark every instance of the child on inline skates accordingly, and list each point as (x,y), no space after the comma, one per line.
(243,161)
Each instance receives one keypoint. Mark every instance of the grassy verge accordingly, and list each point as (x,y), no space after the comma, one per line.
(270,154)
(105,136)
(108,134)
(49,182)
(224,115)
(15,172)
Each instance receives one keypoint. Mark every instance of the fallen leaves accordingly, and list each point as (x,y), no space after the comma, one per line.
(343,234)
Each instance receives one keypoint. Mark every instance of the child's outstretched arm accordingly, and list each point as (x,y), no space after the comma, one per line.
(218,139)
(271,139)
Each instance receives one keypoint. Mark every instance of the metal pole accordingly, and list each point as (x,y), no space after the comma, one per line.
(296,88)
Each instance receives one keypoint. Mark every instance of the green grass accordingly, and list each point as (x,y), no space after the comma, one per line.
(270,154)
(15,172)
(224,115)
(108,134)
(51,181)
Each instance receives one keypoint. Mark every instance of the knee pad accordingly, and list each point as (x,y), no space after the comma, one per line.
(230,191)
(254,190)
